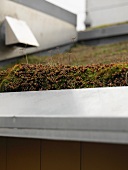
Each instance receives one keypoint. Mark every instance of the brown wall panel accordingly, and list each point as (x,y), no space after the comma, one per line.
(23,154)
(59,155)
(104,156)
(2,154)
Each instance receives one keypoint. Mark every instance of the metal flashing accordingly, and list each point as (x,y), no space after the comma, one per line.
(96,115)
(112,31)
(18,33)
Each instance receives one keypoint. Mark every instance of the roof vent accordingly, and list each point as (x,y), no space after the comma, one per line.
(18,33)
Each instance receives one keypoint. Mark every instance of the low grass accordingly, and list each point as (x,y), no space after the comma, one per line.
(82,55)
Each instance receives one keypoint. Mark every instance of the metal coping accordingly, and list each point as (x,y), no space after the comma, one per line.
(98,114)
(74,135)
(103,32)
(49,9)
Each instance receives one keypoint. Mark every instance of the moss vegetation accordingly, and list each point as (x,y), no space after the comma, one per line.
(81,67)
(30,77)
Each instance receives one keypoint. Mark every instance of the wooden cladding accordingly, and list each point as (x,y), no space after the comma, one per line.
(23,154)
(2,154)
(31,154)
(60,155)
(104,156)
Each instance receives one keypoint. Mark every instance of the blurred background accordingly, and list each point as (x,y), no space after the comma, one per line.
(78,7)
(95,12)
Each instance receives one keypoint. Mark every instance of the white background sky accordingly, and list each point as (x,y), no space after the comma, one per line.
(75,6)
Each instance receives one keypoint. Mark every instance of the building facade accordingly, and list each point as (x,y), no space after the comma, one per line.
(52,26)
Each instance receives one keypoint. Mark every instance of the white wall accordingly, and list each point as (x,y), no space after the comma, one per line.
(107,11)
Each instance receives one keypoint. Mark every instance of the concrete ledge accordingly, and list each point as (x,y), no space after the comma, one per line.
(99,114)
(112,32)
(50,9)
(106,40)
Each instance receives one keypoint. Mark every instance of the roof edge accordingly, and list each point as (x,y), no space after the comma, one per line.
(82,136)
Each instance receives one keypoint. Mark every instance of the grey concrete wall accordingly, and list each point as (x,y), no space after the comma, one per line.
(49,30)
(102,12)
(104,41)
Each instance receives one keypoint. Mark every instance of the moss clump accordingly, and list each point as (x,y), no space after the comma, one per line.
(32,77)
(3,74)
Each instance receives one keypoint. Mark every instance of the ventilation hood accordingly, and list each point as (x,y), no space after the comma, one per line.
(18,33)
